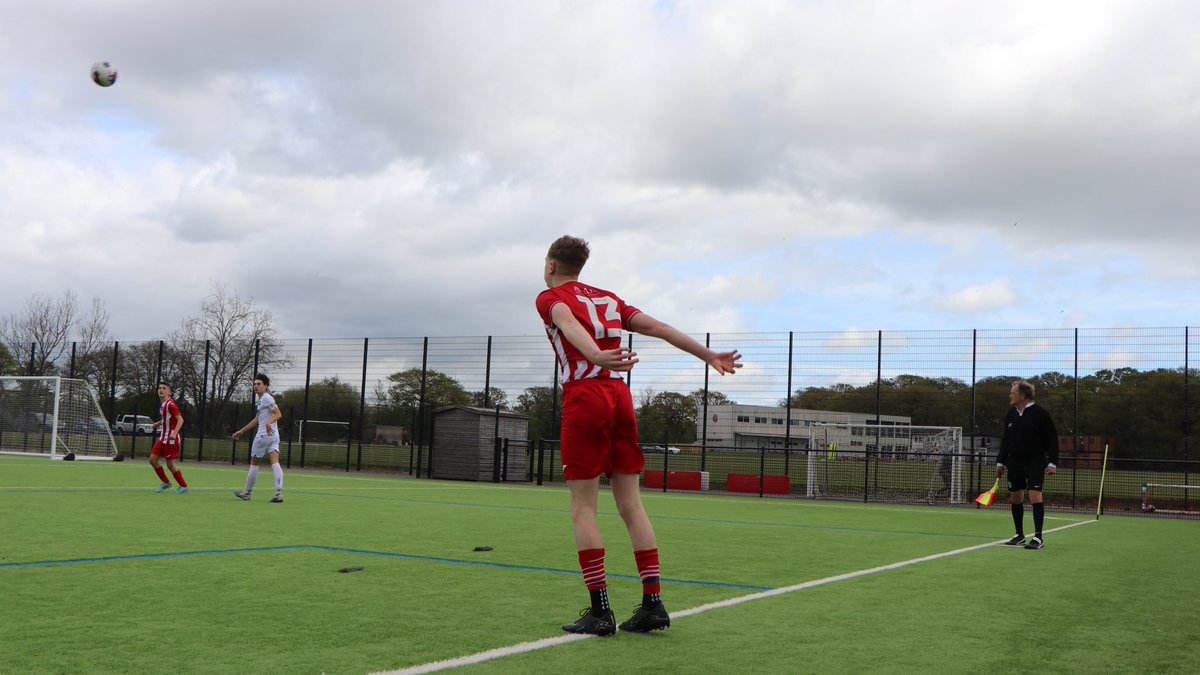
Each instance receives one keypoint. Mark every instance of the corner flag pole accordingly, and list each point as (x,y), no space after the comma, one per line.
(1103,469)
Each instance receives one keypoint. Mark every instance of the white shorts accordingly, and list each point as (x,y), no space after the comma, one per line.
(263,445)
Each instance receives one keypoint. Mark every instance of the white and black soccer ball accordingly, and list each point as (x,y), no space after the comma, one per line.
(104,74)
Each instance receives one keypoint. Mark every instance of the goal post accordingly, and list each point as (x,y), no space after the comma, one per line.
(55,417)
(907,462)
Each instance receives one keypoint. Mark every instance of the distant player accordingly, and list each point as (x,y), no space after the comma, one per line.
(266,440)
(168,444)
(599,427)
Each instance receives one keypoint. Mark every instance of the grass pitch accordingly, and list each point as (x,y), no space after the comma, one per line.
(99,574)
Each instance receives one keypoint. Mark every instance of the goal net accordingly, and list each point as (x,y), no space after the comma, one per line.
(1161,498)
(57,417)
(900,463)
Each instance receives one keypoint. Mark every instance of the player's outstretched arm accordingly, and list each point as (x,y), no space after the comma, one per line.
(619,360)
(725,363)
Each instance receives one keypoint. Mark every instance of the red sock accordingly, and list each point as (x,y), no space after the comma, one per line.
(162,475)
(179,478)
(591,561)
(647,564)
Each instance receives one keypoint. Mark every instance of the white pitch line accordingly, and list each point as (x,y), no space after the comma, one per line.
(524,647)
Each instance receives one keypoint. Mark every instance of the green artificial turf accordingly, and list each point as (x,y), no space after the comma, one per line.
(203,582)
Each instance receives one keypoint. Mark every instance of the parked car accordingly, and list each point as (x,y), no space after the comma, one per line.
(92,425)
(133,424)
(658,449)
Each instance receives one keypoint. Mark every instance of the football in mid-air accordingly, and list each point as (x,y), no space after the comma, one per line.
(104,74)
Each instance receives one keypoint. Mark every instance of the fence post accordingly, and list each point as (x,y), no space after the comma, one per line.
(977,465)
(1075,437)
(112,391)
(666,451)
(762,468)
(787,413)
(421,402)
(304,413)
(291,435)
(204,400)
(496,447)
(362,407)
(237,408)
(487,375)
(704,419)
(73,345)
(1187,416)
(541,458)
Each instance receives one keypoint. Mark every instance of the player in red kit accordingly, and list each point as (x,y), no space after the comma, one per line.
(599,428)
(169,443)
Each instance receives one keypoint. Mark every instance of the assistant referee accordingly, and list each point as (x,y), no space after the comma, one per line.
(1029,449)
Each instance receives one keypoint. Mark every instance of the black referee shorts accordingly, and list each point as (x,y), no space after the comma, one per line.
(1026,477)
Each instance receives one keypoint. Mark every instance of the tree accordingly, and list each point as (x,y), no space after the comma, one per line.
(232,326)
(39,336)
(496,398)
(666,416)
(399,398)
(138,375)
(331,400)
(714,398)
(8,365)
(539,404)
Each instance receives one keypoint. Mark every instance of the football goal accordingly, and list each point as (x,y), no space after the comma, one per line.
(903,462)
(321,431)
(55,417)
(1180,499)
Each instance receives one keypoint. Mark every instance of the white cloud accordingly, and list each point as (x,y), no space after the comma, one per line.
(400,168)
(995,294)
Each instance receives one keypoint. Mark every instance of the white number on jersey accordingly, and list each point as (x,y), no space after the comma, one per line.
(600,328)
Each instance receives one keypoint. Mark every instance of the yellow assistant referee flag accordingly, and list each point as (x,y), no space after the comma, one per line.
(988,497)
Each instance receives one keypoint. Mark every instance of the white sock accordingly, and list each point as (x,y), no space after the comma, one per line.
(278,471)
(251,478)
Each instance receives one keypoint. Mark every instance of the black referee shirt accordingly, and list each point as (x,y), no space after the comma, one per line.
(1029,438)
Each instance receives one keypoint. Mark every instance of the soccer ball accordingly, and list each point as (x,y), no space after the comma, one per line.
(104,74)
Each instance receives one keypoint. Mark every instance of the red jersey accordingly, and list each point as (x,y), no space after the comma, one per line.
(167,410)
(602,314)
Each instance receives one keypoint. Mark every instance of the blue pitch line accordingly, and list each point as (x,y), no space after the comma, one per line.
(381,554)
(149,556)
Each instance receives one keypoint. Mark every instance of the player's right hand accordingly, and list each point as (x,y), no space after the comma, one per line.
(237,435)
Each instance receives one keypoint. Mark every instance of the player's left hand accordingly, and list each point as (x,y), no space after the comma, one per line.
(620,359)
(725,363)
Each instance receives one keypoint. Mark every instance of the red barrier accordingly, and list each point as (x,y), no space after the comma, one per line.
(748,483)
(677,480)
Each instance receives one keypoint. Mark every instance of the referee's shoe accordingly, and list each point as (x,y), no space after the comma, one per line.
(1017,540)
(1035,544)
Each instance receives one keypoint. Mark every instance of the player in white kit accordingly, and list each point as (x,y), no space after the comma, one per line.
(266,440)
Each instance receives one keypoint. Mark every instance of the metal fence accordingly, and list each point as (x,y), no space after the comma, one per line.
(1129,388)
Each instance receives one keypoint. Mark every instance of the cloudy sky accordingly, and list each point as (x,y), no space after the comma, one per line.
(397,168)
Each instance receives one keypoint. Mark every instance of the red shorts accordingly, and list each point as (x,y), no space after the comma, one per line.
(166,449)
(599,430)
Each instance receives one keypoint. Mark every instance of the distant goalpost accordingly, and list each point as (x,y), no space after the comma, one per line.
(55,417)
(925,462)
(301,425)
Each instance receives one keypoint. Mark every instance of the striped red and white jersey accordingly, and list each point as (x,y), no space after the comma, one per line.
(602,314)
(167,410)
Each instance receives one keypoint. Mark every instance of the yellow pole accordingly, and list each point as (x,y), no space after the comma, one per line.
(1103,469)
